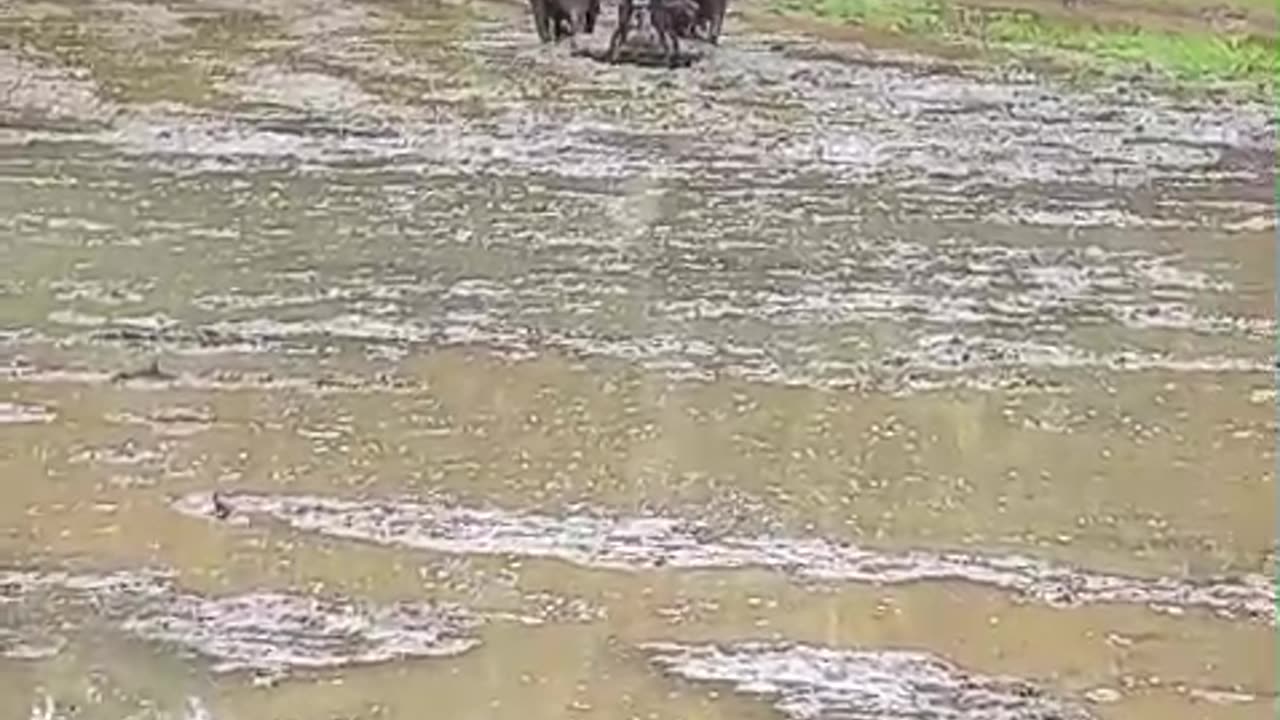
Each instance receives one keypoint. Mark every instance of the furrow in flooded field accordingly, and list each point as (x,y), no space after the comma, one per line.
(632,543)
(45,707)
(22,414)
(218,381)
(240,240)
(929,363)
(1008,313)
(271,632)
(816,683)
(26,644)
(770,284)
(516,149)
(36,92)
(970,136)
(882,123)
(268,634)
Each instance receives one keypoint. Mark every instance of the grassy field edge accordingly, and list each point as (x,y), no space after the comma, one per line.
(1196,57)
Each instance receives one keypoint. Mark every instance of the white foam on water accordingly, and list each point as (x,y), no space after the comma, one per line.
(270,633)
(633,543)
(12,413)
(818,683)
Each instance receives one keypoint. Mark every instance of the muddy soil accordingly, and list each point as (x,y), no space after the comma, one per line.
(361,357)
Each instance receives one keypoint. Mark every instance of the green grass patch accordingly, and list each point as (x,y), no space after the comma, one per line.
(1186,56)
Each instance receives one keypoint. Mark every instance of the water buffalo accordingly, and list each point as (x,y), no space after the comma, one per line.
(671,19)
(711,16)
(555,19)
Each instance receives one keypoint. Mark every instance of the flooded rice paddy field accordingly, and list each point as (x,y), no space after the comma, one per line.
(807,382)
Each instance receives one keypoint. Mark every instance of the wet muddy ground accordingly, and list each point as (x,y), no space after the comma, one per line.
(808,382)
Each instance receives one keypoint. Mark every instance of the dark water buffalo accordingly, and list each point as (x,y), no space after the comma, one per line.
(671,19)
(711,17)
(555,19)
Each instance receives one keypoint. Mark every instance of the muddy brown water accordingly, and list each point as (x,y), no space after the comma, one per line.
(809,381)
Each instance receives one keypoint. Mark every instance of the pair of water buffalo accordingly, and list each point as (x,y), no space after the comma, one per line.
(669,19)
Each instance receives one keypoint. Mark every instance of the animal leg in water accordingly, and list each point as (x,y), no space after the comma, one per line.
(540,19)
(711,14)
(558,22)
(625,10)
(673,55)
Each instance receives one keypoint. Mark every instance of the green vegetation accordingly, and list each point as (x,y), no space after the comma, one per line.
(1201,57)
